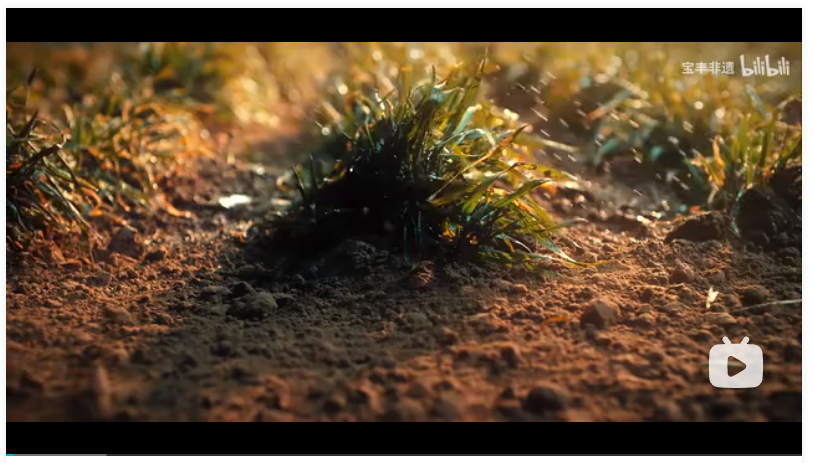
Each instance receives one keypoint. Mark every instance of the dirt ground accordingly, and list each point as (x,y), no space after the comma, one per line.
(181,321)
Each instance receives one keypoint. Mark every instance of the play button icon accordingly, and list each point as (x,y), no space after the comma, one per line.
(735,366)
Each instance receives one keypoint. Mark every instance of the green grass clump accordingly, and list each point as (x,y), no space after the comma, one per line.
(382,68)
(42,192)
(756,172)
(429,168)
(109,154)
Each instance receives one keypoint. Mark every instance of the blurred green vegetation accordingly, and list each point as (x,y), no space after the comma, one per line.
(102,122)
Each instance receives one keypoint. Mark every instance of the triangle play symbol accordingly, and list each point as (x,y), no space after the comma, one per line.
(735,367)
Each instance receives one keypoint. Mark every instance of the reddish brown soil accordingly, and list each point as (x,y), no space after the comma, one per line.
(205,333)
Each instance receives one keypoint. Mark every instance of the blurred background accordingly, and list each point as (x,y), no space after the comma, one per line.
(265,102)
(252,81)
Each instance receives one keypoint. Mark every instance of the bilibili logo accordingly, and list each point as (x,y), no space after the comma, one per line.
(762,67)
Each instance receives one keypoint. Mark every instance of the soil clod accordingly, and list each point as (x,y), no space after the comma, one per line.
(253,307)
(681,275)
(126,242)
(155,256)
(755,295)
(706,227)
(117,314)
(720,318)
(242,289)
(600,313)
(546,398)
